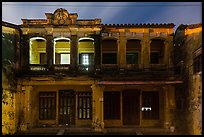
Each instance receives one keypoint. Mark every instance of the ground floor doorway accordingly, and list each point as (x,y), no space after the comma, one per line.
(131,108)
(66,107)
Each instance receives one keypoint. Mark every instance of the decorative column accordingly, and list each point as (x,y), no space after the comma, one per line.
(146,50)
(97,107)
(172,105)
(57,108)
(142,53)
(166,107)
(170,57)
(166,53)
(122,50)
(28,103)
(74,51)
(97,48)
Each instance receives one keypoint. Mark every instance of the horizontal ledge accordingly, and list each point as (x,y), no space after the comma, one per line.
(137,82)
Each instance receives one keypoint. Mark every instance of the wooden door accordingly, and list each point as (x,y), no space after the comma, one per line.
(67,107)
(131,110)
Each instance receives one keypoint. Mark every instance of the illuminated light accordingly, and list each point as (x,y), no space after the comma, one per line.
(84,38)
(62,38)
(87,69)
(85,59)
(37,38)
(146,108)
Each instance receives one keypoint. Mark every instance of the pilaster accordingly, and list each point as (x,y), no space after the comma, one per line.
(73,52)
(146,50)
(49,49)
(97,106)
(122,50)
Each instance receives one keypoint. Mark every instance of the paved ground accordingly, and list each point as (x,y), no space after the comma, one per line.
(106,131)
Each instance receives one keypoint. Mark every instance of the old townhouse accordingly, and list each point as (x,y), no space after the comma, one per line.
(188,62)
(81,73)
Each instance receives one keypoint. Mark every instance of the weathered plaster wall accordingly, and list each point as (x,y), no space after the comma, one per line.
(189,96)
(9,42)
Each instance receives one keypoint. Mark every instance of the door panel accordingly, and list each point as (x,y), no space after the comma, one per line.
(131,111)
(67,107)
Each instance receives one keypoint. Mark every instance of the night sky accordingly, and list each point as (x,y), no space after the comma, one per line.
(109,12)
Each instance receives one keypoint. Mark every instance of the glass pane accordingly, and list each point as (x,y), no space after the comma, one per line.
(84,102)
(43,59)
(84,113)
(88,102)
(132,58)
(49,103)
(80,102)
(65,110)
(85,59)
(109,58)
(80,113)
(154,58)
(88,113)
(65,59)
(61,111)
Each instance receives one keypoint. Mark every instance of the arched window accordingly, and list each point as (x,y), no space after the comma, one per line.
(37,51)
(133,51)
(109,51)
(61,50)
(157,51)
(86,51)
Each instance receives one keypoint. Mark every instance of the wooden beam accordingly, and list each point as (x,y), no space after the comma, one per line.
(138,82)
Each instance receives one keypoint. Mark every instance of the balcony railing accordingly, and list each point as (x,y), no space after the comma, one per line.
(61,67)
(84,69)
(158,67)
(38,67)
(109,69)
(133,67)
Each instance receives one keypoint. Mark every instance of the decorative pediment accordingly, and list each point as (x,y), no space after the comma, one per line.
(61,17)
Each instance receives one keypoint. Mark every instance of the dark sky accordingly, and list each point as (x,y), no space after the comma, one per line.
(109,12)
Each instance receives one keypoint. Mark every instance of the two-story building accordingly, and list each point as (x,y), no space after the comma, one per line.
(81,73)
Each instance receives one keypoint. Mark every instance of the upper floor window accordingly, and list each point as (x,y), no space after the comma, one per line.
(43,58)
(86,51)
(197,64)
(154,57)
(133,51)
(37,51)
(62,51)
(109,51)
(86,59)
(132,58)
(157,51)
(62,58)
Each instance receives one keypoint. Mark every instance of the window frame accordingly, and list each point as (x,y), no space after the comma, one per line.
(46,113)
(115,61)
(84,96)
(137,59)
(58,58)
(197,64)
(90,59)
(157,58)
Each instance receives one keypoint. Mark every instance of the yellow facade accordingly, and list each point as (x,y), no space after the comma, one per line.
(40,84)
